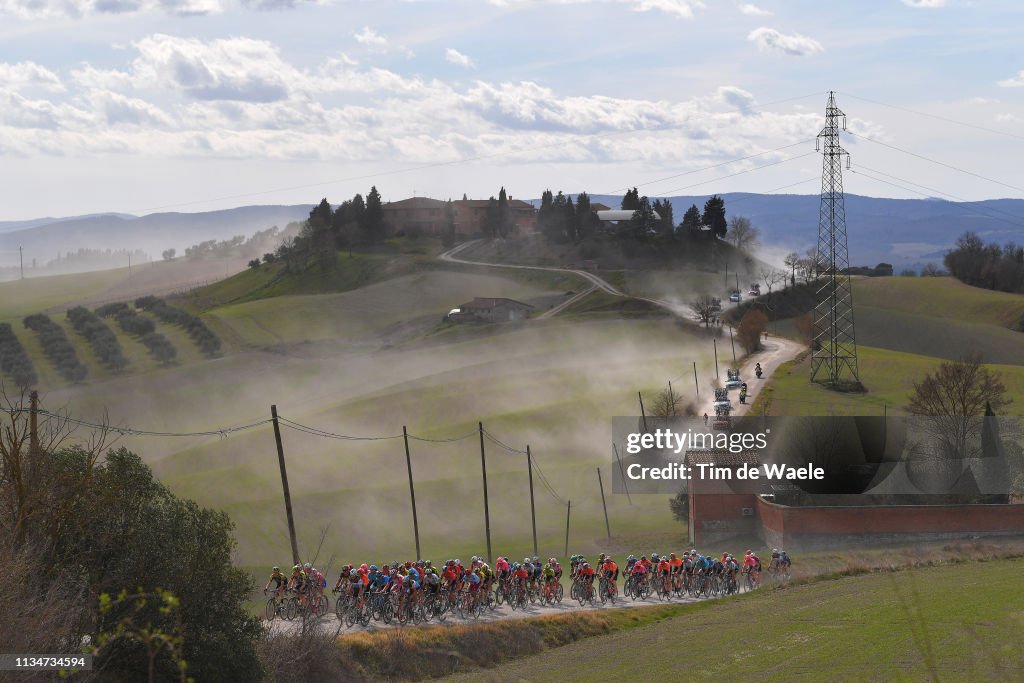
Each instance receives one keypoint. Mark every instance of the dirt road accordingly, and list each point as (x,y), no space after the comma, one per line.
(332,624)
(776,352)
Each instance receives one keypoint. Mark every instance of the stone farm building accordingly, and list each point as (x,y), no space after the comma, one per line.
(492,310)
(427,216)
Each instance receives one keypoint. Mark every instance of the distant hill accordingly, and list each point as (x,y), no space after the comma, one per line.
(152,233)
(904,232)
(10,226)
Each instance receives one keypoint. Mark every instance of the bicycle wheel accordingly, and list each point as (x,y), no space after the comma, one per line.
(291,609)
(558,593)
(387,612)
(271,610)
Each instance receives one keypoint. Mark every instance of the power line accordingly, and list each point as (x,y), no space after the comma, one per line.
(958,204)
(732,175)
(962,203)
(707,168)
(131,431)
(936,161)
(936,116)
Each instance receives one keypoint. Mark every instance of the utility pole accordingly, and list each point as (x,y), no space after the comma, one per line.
(604,505)
(568,509)
(533,510)
(622,471)
(284,485)
(21,260)
(33,423)
(672,397)
(732,341)
(487,512)
(642,413)
(412,494)
(129,265)
(696,384)
(714,342)
(726,274)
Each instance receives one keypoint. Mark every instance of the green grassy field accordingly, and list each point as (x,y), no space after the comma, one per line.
(888,376)
(958,622)
(37,294)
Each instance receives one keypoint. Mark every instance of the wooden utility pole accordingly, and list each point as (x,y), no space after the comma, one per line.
(568,509)
(696,384)
(533,511)
(642,413)
(487,512)
(622,471)
(33,423)
(731,341)
(604,505)
(672,398)
(714,342)
(412,493)
(21,260)
(284,485)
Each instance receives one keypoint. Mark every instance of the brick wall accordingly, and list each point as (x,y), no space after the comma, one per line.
(803,528)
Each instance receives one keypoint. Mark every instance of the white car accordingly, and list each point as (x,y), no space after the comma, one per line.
(734,297)
(734,383)
(723,406)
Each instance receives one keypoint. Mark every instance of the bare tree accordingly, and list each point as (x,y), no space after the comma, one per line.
(742,233)
(954,399)
(669,403)
(810,264)
(792,260)
(704,308)
(772,276)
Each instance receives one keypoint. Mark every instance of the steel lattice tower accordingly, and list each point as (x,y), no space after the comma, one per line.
(834,350)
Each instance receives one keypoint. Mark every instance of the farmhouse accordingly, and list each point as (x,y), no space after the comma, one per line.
(492,310)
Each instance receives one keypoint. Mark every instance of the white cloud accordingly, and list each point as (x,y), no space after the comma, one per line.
(77,9)
(925,4)
(1014,81)
(679,8)
(240,98)
(455,57)
(754,11)
(1005,118)
(371,39)
(794,44)
(28,74)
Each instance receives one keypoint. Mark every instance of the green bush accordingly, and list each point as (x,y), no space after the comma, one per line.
(100,337)
(57,348)
(14,362)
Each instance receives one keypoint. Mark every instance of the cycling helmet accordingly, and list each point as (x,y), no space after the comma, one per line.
(277,569)
(307,566)
(373,567)
(364,566)
(296,567)
(643,557)
(474,558)
(458,563)
(654,556)
(672,556)
(351,572)
(775,551)
(535,559)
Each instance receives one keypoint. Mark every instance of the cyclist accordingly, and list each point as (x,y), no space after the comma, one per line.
(503,568)
(587,578)
(297,583)
(280,583)
(638,572)
(676,570)
(664,572)
(784,560)
(548,578)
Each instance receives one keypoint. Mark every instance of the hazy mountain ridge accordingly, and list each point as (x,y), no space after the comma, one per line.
(152,233)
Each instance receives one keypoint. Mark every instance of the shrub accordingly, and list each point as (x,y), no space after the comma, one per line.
(14,362)
(201,335)
(100,337)
(57,348)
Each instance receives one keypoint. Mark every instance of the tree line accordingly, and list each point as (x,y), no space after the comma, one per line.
(202,336)
(14,361)
(100,337)
(142,328)
(57,347)
(991,266)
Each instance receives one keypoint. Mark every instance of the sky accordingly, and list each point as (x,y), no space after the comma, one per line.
(140,106)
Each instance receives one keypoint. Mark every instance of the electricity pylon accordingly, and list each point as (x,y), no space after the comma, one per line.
(834,349)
